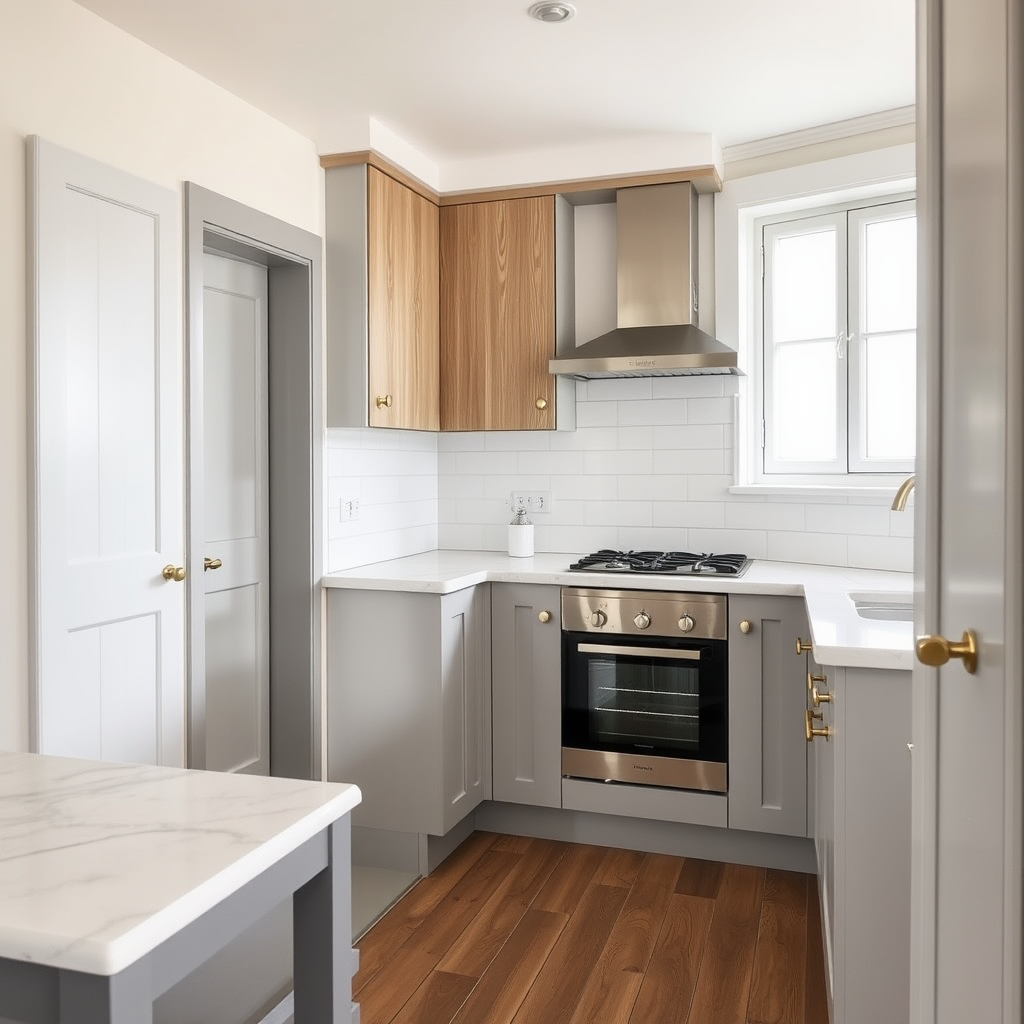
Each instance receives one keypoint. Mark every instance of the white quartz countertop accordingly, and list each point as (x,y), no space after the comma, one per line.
(840,636)
(100,862)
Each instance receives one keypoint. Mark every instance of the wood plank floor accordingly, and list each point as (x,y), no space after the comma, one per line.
(531,931)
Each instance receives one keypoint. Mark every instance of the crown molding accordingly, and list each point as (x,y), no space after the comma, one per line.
(822,133)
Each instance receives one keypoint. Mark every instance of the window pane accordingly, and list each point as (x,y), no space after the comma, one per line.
(804,294)
(805,402)
(890,395)
(890,275)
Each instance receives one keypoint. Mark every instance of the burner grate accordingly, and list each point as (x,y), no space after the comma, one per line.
(664,562)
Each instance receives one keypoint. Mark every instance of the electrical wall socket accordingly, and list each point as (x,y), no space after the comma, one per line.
(349,509)
(530,501)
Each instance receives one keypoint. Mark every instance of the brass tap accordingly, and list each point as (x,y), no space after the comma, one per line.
(899,503)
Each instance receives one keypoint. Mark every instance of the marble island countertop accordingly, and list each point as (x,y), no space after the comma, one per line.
(101,862)
(840,635)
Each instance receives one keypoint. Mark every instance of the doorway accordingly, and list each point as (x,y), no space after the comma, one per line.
(293,261)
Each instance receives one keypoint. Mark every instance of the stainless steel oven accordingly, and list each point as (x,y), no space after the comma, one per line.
(644,682)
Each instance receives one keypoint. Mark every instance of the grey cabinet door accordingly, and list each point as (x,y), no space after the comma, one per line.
(767,699)
(526,693)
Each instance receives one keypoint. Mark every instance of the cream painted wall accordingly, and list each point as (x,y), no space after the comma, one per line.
(72,78)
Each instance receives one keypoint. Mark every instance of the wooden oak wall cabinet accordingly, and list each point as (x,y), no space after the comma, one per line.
(498,313)
(382,302)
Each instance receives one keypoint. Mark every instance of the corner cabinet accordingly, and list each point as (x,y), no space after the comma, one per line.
(498,314)
(382,293)
(526,694)
(860,770)
(767,699)
(408,704)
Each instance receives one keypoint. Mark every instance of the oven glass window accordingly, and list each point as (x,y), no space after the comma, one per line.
(644,704)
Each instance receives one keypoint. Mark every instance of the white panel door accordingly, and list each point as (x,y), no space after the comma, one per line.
(108,628)
(233,521)
(968,725)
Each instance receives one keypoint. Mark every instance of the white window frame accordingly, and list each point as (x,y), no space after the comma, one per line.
(743,200)
(850,465)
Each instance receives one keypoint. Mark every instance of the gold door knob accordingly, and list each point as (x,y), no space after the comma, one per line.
(211,563)
(544,616)
(809,731)
(541,403)
(820,698)
(802,646)
(384,400)
(746,626)
(173,572)
(812,679)
(937,650)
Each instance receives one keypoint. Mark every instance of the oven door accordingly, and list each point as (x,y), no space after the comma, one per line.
(649,710)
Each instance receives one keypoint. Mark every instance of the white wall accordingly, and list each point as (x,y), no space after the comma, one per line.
(72,78)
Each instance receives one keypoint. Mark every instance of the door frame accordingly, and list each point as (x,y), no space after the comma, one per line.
(294,261)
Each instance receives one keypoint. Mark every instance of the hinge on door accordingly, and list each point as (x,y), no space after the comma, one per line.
(762,433)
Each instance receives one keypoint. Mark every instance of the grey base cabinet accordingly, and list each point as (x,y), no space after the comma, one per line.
(526,693)
(767,698)
(860,781)
(408,705)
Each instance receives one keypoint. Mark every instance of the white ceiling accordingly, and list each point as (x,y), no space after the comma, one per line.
(467,79)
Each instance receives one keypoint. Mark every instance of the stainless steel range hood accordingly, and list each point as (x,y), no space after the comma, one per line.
(656,260)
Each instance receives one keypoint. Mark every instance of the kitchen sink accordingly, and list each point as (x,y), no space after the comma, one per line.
(892,607)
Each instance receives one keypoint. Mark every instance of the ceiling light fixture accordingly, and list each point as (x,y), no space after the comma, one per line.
(552,12)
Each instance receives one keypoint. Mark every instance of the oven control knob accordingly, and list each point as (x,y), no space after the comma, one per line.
(686,622)
(598,618)
(642,620)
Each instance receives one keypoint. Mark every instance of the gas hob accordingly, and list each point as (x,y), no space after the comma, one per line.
(663,563)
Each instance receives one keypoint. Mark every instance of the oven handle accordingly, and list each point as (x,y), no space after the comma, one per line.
(638,652)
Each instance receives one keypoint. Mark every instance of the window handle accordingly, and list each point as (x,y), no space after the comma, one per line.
(842,340)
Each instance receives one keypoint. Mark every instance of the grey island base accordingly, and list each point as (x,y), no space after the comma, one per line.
(118,881)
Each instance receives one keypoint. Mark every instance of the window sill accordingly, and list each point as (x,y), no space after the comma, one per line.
(883,494)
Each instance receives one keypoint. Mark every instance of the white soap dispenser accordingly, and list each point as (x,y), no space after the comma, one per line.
(520,535)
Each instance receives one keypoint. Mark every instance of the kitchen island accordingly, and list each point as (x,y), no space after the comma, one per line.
(117,881)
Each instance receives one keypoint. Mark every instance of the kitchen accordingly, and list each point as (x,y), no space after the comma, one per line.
(155,137)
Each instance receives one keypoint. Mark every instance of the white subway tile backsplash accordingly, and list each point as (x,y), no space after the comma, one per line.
(649,466)
(701,435)
(762,516)
(709,385)
(596,414)
(620,389)
(673,410)
(817,548)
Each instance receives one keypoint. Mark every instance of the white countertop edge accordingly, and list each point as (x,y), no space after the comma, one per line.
(824,589)
(106,957)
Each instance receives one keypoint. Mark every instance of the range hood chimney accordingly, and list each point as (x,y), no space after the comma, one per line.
(656,258)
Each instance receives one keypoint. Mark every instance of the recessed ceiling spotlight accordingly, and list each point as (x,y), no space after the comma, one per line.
(551,11)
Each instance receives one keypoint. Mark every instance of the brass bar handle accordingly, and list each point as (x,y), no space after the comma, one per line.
(211,563)
(813,680)
(384,400)
(544,616)
(802,646)
(937,650)
(809,731)
(173,572)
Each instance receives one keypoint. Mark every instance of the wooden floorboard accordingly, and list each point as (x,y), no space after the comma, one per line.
(512,930)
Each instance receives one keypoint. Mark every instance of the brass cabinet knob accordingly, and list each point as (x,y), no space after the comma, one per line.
(544,616)
(211,563)
(384,400)
(820,698)
(802,646)
(541,403)
(746,626)
(173,572)
(937,650)
(810,732)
